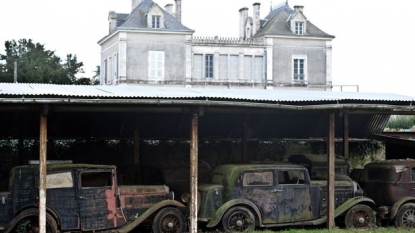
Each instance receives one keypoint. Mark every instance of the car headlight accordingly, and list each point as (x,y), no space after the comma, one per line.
(185,197)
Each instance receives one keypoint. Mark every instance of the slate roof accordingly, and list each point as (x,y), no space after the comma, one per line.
(275,23)
(137,19)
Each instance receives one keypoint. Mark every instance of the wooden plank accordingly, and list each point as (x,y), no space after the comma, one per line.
(42,169)
(193,172)
(331,171)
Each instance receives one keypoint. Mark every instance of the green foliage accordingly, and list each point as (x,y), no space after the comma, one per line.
(36,64)
(401,122)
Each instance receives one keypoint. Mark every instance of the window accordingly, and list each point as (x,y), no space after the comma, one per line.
(96,179)
(291,177)
(223,67)
(299,28)
(248,69)
(299,69)
(155,21)
(114,68)
(234,67)
(254,68)
(156,64)
(258,68)
(258,179)
(198,66)
(209,66)
(59,180)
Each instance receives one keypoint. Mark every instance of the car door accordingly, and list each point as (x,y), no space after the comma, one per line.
(97,199)
(258,187)
(60,196)
(292,192)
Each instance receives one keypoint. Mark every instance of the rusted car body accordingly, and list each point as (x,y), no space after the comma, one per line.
(391,184)
(85,197)
(245,196)
(173,173)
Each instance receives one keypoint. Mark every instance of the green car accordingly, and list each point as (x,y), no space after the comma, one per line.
(244,196)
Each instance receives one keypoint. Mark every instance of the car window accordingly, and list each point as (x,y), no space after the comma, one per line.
(291,177)
(258,178)
(59,180)
(96,179)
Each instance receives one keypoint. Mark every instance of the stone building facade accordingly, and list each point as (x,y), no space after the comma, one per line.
(151,46)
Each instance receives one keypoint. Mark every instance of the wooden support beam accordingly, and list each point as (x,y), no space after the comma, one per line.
(346,135)
(193,171)
(331,171)
(42,168)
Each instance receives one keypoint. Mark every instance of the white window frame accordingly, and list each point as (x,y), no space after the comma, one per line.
(198,66)
(223,66)
(233,67)
(299,27)
(156,65)
(295,71)
(209,66)
(155,21)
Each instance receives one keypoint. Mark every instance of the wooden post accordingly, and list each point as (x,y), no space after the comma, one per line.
(245,141)
(346,135)
(193,172)
(42,169)
(331,171)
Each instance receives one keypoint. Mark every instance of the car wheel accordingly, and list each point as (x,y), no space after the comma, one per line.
(169,220)
(28,221)
(359,216)
(406,216)
(238,219)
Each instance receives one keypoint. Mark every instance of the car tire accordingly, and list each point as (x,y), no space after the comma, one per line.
(238,219)
(28,221)
(359,216)
(169,220)
(406,216)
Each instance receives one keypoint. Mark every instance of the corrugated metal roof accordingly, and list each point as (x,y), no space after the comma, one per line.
(163,92)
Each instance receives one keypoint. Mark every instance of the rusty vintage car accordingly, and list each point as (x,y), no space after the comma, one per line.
(85,197)
(391,184)
(244,196)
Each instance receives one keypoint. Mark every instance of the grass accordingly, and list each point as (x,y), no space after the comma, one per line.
(337,230)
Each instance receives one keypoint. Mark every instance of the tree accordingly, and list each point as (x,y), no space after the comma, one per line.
(35,64)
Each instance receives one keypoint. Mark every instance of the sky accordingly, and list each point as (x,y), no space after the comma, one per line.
(374,43)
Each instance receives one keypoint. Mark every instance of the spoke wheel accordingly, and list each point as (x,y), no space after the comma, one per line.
(169,220)
(238,219)
(406,216)
(29,223)
(359,216)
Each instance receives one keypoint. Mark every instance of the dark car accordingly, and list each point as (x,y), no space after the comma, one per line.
(173,173)
(86,197)
(391,184)
(244,196)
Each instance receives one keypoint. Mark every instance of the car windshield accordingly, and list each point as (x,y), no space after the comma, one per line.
(183,175)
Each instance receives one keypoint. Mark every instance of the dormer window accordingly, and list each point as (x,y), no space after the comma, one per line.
(299,28)
(155,21)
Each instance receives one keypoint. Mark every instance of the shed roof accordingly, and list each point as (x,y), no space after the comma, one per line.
(162,112)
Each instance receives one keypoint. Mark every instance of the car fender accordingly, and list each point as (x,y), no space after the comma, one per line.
(153,209)
(398,204)
(235,202)
(352,202)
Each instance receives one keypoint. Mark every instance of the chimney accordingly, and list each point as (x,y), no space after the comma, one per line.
(135,3)
(298,8)
(179,10)
(256,18)
(169,8)
(112,19)
(243,15)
